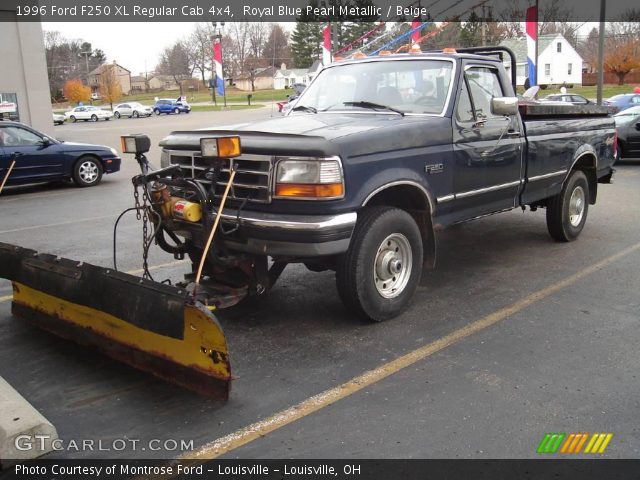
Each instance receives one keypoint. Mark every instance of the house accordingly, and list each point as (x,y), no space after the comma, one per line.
(262,79)
(139,84)
(558,61)
(163,82)
(121,74)
(284,77)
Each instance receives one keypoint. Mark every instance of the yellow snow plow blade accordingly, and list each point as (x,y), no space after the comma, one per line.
(154,327)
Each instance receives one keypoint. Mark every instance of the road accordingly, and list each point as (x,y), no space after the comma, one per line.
(512,336)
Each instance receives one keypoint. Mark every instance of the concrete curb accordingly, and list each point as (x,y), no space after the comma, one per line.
(24,433)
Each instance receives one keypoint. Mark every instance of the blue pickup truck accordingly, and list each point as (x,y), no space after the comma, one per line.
(377,155)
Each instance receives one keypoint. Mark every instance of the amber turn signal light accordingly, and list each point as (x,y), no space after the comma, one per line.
(305,190)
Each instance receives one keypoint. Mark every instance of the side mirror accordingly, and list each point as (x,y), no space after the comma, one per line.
(46,141)
(504,105)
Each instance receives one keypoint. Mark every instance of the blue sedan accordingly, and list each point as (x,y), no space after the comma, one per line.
(40,158)
(623,101)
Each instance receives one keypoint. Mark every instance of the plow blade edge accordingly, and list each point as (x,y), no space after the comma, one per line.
(151,326)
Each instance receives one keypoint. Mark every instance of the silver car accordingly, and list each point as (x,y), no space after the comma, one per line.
(132,110)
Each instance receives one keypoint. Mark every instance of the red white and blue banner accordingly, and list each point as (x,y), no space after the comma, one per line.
(532,40)
(217,63)
(326,45)
(415,36)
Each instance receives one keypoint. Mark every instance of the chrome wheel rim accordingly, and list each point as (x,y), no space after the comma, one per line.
(576,206)
(88,172)
(392,265)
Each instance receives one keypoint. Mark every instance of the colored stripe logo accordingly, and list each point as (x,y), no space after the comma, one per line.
(573,443)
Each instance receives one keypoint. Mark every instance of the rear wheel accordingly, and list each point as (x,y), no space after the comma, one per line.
(378,275)
(116,114)
(87,172)
(73,119)
(156,111)
(135,114)
(567,211)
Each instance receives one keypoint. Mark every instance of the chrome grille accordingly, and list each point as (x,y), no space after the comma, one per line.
(253,174)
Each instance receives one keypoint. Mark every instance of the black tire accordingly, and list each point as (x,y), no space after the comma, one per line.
(563,221)
(358,275)
(156,111)
(135,114)
(176,111)
(94,118)
(87,172)
(117,115)
(73,119)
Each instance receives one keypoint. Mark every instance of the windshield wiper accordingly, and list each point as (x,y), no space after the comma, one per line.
(373,106)
(304,108)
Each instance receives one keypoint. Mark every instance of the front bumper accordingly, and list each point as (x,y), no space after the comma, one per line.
(288,235)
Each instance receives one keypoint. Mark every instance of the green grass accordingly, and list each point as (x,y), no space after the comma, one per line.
(213,108)
(608,90)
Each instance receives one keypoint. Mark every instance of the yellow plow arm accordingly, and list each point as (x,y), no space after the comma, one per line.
(155,327)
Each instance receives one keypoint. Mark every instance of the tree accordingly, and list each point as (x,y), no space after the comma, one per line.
(109,86)
(276,48)
(306,41)
(175,62)
(76,92)
(200,48)
(622,49)
(66,60)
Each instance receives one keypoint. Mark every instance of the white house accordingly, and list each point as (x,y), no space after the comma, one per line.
(558,61)
(284,77)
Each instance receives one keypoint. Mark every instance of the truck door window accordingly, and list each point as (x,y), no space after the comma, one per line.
(464,112)
(484,84)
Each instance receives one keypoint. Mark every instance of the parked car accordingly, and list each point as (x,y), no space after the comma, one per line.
(628,125)
(132,109)
(40,158)
(169,105)
(58,119)
(567,98)
(623,101)
(95,96)
(87,113)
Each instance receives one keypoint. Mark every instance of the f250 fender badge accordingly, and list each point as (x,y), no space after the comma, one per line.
(434,168)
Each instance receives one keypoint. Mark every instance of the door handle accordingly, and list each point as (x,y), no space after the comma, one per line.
(513,133)
(17,154)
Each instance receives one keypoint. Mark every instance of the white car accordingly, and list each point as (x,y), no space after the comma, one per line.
(132,109)
(58,119)
(87,113)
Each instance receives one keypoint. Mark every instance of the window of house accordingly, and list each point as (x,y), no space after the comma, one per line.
(569,68)
(559,47)
(547,69)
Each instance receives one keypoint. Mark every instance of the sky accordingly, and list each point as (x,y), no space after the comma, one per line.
(136,45)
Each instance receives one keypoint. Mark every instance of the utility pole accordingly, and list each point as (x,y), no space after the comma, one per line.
(603,6)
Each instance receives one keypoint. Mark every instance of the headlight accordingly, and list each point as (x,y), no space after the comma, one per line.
(309,179)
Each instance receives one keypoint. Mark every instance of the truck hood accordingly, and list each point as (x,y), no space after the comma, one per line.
(326,134)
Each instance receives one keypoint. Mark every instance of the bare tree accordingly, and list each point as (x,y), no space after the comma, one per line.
(276,48)
(200,48)
(175,61)
(109,87)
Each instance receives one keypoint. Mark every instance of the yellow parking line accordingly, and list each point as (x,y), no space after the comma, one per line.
(130,272)
(71,222)
(328,397)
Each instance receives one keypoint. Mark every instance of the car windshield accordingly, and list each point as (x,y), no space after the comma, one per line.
(408,86)
(92,108)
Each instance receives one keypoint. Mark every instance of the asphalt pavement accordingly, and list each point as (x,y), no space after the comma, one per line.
(512,336)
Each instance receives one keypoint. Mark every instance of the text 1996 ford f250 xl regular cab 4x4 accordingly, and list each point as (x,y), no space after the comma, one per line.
(378,154)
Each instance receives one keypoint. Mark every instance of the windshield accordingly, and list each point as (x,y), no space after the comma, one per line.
(410,86)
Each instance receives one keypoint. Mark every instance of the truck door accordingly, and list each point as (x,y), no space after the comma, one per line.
(487,148)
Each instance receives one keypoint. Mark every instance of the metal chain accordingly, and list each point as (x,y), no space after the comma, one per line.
(142,213)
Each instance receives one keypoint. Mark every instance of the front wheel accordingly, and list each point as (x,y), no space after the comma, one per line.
(94,118)
(87,172)
(567,211)
(380,272)
(176,111)
(156,111)
(73,119)
(117,115)
(135,114)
